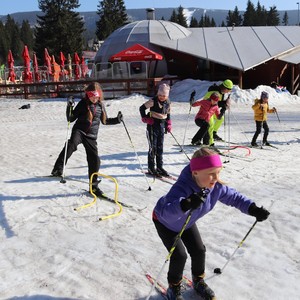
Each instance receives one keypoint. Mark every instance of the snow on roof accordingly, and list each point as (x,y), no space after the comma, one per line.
(241,48)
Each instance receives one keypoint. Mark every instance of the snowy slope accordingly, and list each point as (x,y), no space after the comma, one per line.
(50,251)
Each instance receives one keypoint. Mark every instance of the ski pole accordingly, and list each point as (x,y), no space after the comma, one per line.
(66,146)
(229,125)
(178,236)
(261,128)
(191,101)
(149,135)
(138,159)
(218,270)
(277,116)
(261,134)
(179,146)
(242,130)
(227,154)
(281,126)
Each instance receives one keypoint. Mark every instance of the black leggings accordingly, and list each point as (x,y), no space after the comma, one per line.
(91,150)
(155,135)
(191,240)
(202,133)
(259,125)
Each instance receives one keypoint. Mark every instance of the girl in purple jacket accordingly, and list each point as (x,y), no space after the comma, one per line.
(198,189)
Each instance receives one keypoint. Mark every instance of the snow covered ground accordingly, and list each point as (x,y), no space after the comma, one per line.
(50,251)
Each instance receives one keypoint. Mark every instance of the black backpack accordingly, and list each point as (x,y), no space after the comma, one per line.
(213,87)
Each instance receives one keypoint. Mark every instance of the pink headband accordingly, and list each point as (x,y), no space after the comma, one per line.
(205,162)
(93,94)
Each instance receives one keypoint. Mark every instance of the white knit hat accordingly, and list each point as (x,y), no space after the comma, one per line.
(164,90)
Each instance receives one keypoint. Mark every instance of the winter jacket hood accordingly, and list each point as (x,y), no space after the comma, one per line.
(261,110)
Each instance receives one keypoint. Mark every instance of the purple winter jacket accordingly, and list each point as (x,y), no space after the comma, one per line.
(168,210)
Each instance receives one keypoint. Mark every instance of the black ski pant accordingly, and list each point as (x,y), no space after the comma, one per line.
(155,135)
(202,133)
(259,125)
(91,149)
(191,240)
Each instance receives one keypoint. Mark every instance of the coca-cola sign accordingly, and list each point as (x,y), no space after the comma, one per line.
(134,52)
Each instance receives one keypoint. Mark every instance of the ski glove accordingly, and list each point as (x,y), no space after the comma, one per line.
(222,112)
(71,101)
(169,125)
(193,201)
(222,104)
(259,213)
(148,120)
(120,116)
(192,97)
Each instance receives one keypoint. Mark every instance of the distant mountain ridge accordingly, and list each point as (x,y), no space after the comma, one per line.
(90,18)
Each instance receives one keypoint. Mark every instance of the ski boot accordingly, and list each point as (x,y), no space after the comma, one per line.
(161,171)
(56,173)
(174,292)
(213,147)
(266,143)
(153,172)
(216,137)
(196,143)
(202,288)
(96,190)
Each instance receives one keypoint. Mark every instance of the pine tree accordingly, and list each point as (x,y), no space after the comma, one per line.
(27,34)
(234,18)
(249,15)
(212,22)
(173,17)
(273,17)
(261,17)
(112,15)
(14,42)
(194,22)
(59,29)
(181,19)
(3,44)
(285,19)
(201,22)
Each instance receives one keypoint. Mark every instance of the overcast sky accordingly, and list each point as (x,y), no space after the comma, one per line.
(9,7)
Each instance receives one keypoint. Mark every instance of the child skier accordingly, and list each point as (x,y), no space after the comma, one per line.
(88,113)
(158,123)
(197,191)
(215,123)
(261,109)
(208,107)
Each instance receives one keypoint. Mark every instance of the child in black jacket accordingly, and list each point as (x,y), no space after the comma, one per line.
(88,113)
